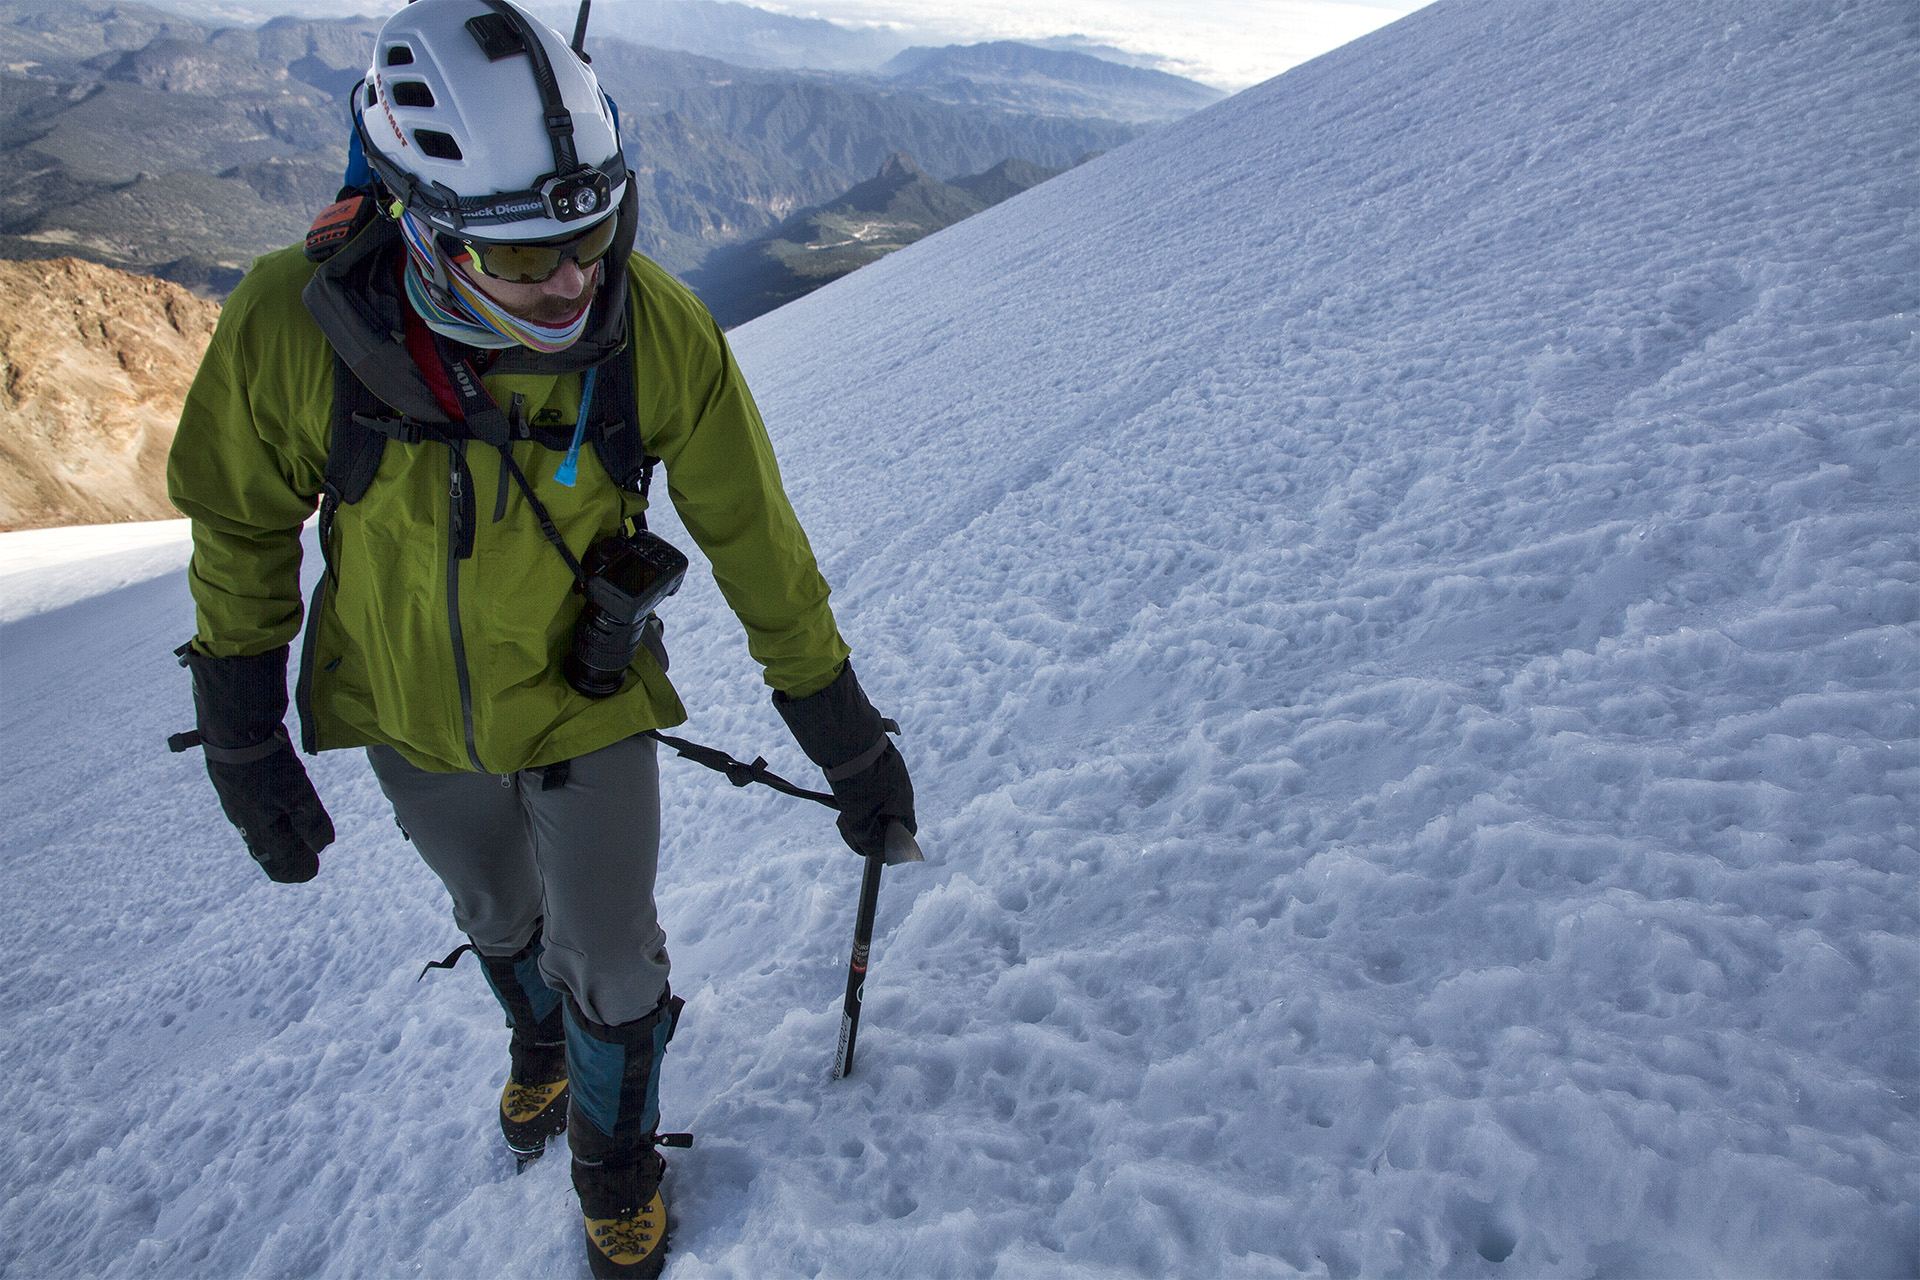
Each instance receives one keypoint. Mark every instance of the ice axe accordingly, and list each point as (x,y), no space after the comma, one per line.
(900,848)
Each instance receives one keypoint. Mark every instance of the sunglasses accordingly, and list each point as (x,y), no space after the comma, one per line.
(533,262)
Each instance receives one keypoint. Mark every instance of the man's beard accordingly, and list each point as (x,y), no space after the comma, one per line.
(553,312)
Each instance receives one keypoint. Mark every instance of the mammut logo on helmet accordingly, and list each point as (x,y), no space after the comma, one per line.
(380,91)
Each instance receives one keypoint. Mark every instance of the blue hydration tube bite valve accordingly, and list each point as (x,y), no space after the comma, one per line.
(570,466)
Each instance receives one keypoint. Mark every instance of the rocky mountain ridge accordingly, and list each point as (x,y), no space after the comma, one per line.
(94,365)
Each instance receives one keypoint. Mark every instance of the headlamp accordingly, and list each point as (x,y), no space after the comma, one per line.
(583,193)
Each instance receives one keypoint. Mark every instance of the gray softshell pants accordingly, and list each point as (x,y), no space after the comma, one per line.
(576,862)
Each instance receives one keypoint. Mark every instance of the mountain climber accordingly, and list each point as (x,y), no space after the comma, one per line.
(484,624)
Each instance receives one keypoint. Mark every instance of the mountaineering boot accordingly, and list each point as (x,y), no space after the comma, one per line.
(614,1123)
(533,1106)
(628,1242)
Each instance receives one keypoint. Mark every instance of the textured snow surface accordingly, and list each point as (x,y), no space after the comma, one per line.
(1403,594)
(42,569)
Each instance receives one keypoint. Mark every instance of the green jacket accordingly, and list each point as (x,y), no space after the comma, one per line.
(247,463)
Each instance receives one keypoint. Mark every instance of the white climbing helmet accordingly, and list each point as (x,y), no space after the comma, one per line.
(484,123)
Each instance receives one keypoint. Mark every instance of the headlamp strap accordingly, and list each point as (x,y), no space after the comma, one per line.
(560,129)
(559,120)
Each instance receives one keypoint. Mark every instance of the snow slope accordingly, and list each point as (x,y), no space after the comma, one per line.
(1403,594)
(42,569)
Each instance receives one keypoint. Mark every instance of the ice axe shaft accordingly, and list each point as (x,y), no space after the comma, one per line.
(900,848)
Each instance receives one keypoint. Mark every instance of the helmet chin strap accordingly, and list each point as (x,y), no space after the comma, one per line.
(441,285)
(435,271)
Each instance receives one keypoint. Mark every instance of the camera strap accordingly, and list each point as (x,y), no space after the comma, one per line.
(487,424)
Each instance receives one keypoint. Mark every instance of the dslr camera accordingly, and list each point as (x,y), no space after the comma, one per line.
(627,576)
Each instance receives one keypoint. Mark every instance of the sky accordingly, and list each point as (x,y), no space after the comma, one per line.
(1230,44)
(1227,43)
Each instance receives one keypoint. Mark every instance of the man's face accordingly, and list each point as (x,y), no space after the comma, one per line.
(552,302)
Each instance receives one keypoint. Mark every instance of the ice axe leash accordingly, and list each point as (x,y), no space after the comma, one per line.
(901,847)
(738,772)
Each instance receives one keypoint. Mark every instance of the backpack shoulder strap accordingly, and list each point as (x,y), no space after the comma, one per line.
(354,446)
(614,424)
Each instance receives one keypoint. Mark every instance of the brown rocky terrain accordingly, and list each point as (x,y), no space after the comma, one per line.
(94,364)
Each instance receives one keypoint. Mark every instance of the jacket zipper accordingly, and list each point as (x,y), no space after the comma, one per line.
(460,547)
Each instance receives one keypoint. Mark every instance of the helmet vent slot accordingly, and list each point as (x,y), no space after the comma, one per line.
(440,146)
(412,93)
(496,35)
(399,55)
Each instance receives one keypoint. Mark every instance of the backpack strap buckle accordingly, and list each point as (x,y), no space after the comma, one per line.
(404,429)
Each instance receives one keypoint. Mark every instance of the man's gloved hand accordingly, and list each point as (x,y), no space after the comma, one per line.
(842,733)
(277,811)
(265,792)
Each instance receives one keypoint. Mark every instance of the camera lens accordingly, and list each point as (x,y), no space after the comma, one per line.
(603,647)
(626,578)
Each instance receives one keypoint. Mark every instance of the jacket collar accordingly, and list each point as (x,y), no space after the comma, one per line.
(357,301)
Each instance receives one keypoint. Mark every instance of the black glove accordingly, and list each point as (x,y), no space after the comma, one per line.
(240,703)
(842,733)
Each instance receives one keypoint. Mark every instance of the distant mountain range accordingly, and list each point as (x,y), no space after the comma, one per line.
(1016,77)
(735,33)
(733,152)
(135,138)
(141,139)
(1021,77)
(899,205)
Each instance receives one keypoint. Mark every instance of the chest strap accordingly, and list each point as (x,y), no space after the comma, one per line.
(362,424)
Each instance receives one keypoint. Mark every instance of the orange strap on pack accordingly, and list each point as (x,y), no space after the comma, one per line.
(338,223)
